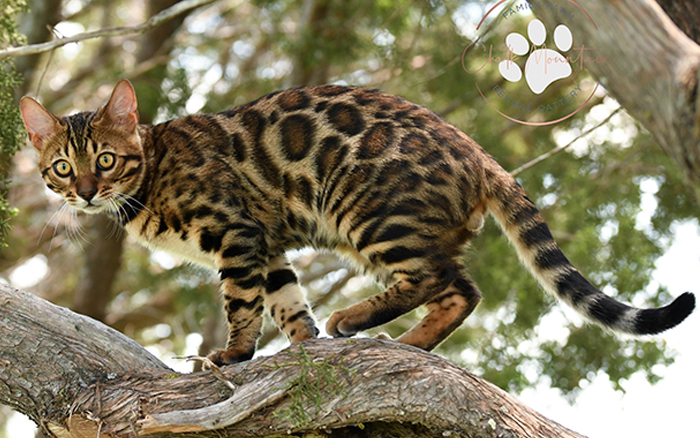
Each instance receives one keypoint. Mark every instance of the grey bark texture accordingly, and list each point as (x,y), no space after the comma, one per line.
(78,378)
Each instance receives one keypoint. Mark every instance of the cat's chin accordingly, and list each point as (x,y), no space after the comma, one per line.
(92,209)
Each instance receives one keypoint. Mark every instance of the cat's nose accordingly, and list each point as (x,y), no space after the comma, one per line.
(87,194)
(86,187)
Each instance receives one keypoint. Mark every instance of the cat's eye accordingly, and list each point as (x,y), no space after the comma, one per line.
(62,168)
(105,161)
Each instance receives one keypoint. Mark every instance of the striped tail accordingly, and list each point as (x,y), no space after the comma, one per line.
(523,224)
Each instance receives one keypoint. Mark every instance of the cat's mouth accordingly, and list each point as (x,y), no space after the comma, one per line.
(90,207)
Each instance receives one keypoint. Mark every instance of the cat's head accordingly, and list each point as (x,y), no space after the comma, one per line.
(93,159)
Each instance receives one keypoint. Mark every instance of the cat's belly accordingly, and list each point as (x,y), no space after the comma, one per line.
(185,247)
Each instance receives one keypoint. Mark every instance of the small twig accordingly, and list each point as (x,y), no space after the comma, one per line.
(154,21)
(48,62)
(208,364)
(558,149)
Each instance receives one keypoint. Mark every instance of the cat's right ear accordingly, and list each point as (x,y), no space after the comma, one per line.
(40,123)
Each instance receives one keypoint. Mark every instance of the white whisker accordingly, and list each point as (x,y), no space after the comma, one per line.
(60,210)
(128,199)
(118,220)
(75,230)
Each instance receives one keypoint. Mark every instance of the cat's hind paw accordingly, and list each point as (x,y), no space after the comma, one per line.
(340,324)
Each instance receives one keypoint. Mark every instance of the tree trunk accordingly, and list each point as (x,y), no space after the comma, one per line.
(686,15)
(78,378)
(102,262)
(648,64)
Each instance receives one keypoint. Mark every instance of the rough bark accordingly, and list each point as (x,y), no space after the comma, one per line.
(78,378)
(685,14)
(651,67)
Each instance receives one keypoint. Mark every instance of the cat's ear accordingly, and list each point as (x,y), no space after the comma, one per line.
(121,109)
(40,123)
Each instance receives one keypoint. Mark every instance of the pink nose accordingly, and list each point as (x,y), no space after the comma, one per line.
(86,187)
(87,194)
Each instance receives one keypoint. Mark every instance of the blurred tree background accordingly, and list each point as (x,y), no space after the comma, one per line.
(610,199)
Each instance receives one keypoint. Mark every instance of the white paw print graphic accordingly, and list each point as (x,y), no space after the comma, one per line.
(543,66)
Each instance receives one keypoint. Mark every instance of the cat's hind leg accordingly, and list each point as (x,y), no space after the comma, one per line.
(446,312)
(449,296)
(286,301)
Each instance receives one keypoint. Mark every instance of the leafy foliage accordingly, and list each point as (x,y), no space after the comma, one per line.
(316,382)
(11,129)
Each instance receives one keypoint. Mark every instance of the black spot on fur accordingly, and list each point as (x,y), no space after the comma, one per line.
(536,235)
(394,232)
(277,279)
(253,282)
(401,253)
(377,140)
(607,311)
(237,147)
(297,136)
(236,251)
(209,240)
(346,119)
(293,100)
(551,258)
(573,287)
(331,90)
(162,227)
(232,306)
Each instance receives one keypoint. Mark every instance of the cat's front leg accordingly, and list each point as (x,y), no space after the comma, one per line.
(243,268)
(243,303)
(286,301)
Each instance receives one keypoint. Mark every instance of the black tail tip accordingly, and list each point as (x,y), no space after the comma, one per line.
(653,321)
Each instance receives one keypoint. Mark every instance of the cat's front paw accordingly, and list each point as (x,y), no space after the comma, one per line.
(229,356)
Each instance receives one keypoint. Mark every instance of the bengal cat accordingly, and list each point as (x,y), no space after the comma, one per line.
(384,182)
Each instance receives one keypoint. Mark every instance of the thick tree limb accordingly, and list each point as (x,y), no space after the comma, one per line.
(156,20)
(650,66)
(79,379)
(686,15)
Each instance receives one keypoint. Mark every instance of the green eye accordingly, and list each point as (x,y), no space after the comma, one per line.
(105,161)
(62,168)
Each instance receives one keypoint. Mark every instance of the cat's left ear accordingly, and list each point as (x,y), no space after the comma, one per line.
(121,110)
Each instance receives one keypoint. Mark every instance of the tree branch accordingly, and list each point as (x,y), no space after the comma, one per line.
(156,20)
(79,379)
(650,67)
(558,149)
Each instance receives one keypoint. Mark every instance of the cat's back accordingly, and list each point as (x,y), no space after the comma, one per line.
(372,123)
(318,129)
(319,144)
